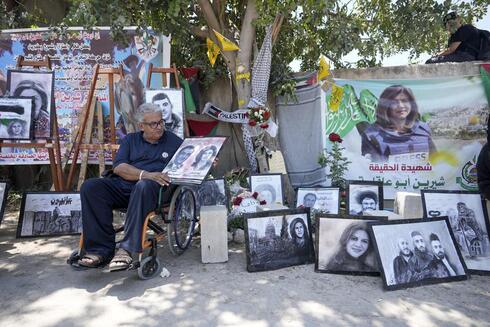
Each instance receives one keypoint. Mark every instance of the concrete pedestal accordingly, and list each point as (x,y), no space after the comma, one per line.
(383,213)
(214,234)
(273,206)
(408,205)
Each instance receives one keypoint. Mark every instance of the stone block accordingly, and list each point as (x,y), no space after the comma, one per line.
(214,234)
(408,205)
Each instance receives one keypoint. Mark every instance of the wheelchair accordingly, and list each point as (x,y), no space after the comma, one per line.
(175,220)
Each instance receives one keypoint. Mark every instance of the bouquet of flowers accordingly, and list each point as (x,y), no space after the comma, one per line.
(247,195)
(259,116)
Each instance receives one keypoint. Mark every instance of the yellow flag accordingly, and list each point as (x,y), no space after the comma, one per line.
(213,51)
(336,97)
(324,70)
(226,44)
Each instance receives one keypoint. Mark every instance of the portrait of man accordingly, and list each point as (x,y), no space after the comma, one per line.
(309,200)
(179,159)
(401,262)
(368,201)
(420,262)
(440,265)
(172,121)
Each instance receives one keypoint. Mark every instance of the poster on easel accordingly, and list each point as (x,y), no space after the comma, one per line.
(73,58)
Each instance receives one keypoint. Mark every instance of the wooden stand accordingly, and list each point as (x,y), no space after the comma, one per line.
(52,144)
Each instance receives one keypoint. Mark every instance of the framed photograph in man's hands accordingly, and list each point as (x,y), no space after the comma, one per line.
(39,86)
(416,252)
(468,217)
(50,214)
(171,101)
(277,239)
(325,199)
(344,245)
(269,187)
(364,196)
(16,118)
(3,198)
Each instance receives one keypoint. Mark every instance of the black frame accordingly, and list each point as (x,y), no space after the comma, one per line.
(31,125)
(3,204)
(52,111)
(379,184)
(22,211)
(275,213)
(319,217)
(227,204)
(321,188)
(427,281)
(485,217)
(268,174)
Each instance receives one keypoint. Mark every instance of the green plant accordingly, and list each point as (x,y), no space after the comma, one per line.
(335,160)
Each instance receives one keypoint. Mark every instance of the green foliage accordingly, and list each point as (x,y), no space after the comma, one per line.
(337,163)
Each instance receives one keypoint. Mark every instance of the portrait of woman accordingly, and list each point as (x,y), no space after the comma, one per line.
(299,236)
(266,193)
(204,158)
(27,88)
(17,129)
(353,248)
(398,129)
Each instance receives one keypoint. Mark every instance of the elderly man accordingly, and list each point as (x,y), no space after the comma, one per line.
(172,121)
(401,267)
(135,184)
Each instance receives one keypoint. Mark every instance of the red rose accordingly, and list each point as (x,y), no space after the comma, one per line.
(255,195)
(263,202)
(267,115)
(333,137)
(237,201)
(252,122)
(264,125)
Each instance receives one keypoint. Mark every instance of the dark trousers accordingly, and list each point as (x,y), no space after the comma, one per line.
(452,57)
(99,196)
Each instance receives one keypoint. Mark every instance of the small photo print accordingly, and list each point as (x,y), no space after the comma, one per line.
(325,200)
(277,239)
(50,214)
(211,192)
(363,196)
(16,121)
(171,101)
(467,214)
(417,252)
(269,187)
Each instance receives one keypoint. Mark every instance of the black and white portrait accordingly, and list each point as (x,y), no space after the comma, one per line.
(211,193)
(16,121)
(50,213)
(326,200)
(364,196)
(345,246)
(277,239)
(416,252)
(3,198)
(172,104)
(38,85)
(269,187)
(467,214)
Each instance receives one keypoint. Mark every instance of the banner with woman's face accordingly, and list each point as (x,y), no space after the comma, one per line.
(412,134)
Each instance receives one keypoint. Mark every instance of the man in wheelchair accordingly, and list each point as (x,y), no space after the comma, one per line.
(135,184)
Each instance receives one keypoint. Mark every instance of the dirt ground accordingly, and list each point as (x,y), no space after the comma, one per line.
(40,289)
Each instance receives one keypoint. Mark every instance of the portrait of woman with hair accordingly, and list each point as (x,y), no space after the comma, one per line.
(17,129)
(28,88)
(204,158)
(266,193)
(398,129)
(300,237)
(354,247)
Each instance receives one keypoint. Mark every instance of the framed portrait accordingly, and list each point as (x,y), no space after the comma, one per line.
(269,187)
(277,239)
(3,198)
(211,192)
(193,159)
(414,252)
(171,101)
(344,245)
(326,200)
(39,86)
(16,118)
(363,196)
(50,214)
(468,218)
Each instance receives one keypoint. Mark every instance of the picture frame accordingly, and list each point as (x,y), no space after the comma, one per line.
(171,101)
(194,159)
(211,192)
(269,187)
(16,118)
(278,238)
(4,189)
(344,245)
(319,199)
(39,85)
(415,252)
(49,214)
(468,217)
(364,195)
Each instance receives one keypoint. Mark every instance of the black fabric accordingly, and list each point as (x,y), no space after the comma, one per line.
(452,57)
(483,171)
(469,36)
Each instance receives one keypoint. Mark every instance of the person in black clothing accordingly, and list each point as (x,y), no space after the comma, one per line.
(483,167)
(401,267)
(463,43)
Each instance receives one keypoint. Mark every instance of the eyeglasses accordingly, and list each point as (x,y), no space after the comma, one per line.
(155,124)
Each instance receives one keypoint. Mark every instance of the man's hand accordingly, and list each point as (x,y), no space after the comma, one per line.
(161,178)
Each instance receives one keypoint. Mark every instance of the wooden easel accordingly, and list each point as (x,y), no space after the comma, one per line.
(83,134)
(52,144)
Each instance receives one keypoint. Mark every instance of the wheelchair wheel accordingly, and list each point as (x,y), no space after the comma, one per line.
(183,220)
(149,268)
